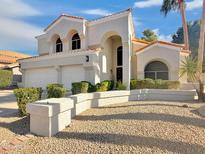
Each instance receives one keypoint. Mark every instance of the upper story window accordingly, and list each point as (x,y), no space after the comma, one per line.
(76,43)
(59,45)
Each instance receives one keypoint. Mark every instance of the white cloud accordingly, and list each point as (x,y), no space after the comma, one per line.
(195,4)
(191,5)
(15,33)
(16,8)
(147,3)
(162,37)
(99,12)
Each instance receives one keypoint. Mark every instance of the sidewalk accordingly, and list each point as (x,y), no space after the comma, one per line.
(8,103)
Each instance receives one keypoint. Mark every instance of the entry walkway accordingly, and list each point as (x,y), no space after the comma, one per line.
(8,103)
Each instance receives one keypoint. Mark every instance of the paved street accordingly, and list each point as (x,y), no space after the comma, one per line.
(8,103)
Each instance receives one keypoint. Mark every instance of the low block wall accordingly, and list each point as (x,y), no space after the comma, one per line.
(82,102)
(52,115)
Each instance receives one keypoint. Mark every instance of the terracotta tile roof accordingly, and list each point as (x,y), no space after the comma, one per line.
(63,15)
(9,57)
(161,42)
(140,41)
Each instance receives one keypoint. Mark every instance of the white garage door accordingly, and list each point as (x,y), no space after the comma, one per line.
(72,74)
(40,77)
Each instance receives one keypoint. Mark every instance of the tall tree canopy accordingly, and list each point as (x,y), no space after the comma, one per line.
(168,6)
(194,32)
(149,35)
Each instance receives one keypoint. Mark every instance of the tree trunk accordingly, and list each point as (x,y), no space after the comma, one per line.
(201,54)
(185,28)
(201,39)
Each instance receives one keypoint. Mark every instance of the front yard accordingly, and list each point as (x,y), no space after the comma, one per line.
(133,127)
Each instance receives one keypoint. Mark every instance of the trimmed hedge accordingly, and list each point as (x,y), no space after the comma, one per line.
(55,91)
(87,87)
(153,84)
(120,86)
(25,96)
(106,85)
(82,87)
(6,78)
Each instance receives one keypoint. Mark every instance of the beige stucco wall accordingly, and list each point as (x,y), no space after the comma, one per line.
(169,56)
(92,33)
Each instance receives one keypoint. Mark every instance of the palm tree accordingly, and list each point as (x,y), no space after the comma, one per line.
(169,5)
(191,68)
(201,39)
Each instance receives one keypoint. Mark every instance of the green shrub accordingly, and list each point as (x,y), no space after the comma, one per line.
(55,91)
(76,88)
(82,87)
(133,84)
(120,86)
(25,96)
(101,87)
(173,84)
(106,85)
(6,78)
(109,83)
(153,84)
(148,83)
(161,84)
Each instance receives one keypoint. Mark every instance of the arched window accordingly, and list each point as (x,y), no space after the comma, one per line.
(156,70)
(59,45)
(76,43)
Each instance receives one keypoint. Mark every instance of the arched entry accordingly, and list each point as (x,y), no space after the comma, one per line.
(156,70)
(112,57)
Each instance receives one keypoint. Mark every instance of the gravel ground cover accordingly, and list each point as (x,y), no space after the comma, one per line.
(12,125)
(133,127)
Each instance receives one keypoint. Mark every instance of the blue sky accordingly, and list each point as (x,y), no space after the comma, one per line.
(22,20)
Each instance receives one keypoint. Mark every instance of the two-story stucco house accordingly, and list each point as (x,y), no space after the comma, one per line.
(73,49)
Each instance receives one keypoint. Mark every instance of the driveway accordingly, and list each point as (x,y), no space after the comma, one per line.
(8,103)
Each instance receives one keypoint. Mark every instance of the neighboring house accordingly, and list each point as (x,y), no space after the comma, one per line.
(8,61)
(73,49)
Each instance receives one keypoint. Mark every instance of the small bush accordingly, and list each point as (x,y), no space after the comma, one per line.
(120,86)
(153,84)
(106,85)
(6,78)
(25,96)
(173,84)
(148,83)
(109,83)
(161,84)
(55,91)
(76,88)
(133,84)
(82,87)
(103,86)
